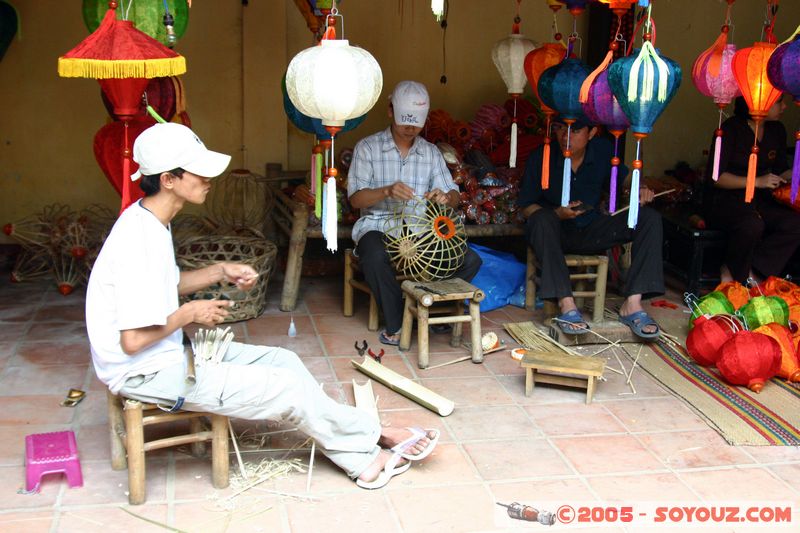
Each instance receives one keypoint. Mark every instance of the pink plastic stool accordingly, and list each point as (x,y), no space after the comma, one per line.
(46,453)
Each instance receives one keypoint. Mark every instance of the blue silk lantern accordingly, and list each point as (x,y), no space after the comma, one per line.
(559,88)
(644,83)
(9,25)
(783,70)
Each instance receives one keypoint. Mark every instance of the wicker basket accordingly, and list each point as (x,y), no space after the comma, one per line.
(200,252)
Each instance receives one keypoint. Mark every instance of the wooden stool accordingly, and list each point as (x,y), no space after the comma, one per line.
(599,276)
(420,296)
(127,434)
(560,363)
(350,282)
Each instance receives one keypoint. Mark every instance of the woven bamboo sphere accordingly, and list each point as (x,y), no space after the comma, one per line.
(426,241)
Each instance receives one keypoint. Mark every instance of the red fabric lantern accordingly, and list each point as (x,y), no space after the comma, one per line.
(708,336)
(536,62)
(108,146)
(789,367)
(749,358)
(750,71)
(736,293)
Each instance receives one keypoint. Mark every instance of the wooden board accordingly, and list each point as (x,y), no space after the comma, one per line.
(610,329)
(563,363)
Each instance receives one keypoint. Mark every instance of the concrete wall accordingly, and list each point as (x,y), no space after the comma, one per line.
(47,123)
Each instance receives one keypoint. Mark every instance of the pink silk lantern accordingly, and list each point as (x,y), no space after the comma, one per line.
(749,358)
(789,367)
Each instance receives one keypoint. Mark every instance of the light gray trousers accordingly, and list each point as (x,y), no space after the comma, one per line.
(268,383)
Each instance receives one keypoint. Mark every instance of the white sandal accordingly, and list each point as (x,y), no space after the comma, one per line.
(417,434)
(390,469)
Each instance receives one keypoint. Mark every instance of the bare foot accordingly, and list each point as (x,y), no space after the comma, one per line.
(391,437)
(725,274)
(374,470)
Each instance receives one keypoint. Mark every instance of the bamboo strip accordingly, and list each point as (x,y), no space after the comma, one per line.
(406,387)
(365,398)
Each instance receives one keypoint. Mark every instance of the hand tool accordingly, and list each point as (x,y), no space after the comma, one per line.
(361,349)
(526,512)
(376,357)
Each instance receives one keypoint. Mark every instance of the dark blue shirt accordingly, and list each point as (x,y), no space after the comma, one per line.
(587,183)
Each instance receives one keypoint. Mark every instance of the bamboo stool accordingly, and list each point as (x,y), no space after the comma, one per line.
(421,296)
(127,434)
(351,265)
(589,368)
(599,277)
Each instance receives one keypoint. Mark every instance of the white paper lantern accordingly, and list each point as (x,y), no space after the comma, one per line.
(509,57)
(334,81)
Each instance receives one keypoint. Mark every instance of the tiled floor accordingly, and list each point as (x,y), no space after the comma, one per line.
(498,446)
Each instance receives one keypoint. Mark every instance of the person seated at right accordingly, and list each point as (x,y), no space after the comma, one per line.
(762,234)
(579,228)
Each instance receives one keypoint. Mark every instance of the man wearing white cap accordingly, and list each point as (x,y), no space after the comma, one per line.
(134,322)
(388,168)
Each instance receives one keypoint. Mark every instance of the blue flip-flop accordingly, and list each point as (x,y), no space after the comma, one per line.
(638,321)
(383,337)
(572,317)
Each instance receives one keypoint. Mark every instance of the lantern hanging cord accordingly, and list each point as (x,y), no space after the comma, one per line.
(443,24)
(517,20)
(128,11)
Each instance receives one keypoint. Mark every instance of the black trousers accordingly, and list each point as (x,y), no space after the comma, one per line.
(380,276)
(762,235)
(552,238)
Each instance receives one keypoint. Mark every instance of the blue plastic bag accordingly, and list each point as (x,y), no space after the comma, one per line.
(500,277)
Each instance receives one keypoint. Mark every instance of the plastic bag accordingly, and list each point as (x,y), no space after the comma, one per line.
(500,277)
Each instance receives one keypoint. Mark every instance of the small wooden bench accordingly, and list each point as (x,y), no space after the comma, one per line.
(544,367)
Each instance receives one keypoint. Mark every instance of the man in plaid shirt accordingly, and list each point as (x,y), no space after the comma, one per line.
(389,168)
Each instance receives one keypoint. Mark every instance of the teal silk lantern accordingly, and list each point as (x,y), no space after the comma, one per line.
(644,83)
(763,310)
(559,88)
(147,15)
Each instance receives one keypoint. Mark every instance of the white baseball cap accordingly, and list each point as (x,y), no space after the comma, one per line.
(164,147)
(410,103)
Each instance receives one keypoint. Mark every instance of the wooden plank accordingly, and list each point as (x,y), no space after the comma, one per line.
(561,380)
(562,362)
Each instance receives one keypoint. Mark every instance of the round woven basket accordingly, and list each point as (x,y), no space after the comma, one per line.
(199,252)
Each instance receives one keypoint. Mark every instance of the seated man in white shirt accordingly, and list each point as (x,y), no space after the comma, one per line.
(389,168)
(134,322)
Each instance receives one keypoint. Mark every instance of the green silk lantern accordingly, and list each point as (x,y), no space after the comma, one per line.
(147,15)
(763,310)
(713,303)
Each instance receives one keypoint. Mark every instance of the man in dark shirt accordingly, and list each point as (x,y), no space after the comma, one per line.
(579,228)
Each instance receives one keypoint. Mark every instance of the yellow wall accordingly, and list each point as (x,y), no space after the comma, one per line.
(47,123)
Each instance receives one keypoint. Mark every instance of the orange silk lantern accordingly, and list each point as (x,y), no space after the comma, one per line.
(736,293)
(619,7)
(783,288)
(750,71)
(749,358)
(790,367)
(536,62)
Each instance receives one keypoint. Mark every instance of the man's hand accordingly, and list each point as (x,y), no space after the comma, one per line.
(399,191)
(769,181)
(646,195)
(243,276)
(436,195)
(567,213)
(208,312)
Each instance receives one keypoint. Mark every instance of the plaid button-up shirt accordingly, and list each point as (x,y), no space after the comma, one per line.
(377,163)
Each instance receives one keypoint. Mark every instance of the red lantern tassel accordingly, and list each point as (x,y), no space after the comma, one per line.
(546,164)
(751,176)
(126,172)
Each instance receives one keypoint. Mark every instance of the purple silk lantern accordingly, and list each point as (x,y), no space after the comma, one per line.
(783,70)
(602,107)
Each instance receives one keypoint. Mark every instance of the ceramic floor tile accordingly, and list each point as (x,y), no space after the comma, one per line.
(387,398)
(346,372)
(419,418)
(26,522)
(36,409)
(772,454)
(736,484)
(607,454)
(10,312)
(445,466)
(491,422)
(61,313)
(106,519)
(58,332)
(31,380)
(193,480)
(664,487)
(500,363)
(542,395)
(544,494)
(459,508)
(94,443)
(655,415)
(254,513)
(360,511)
(303,345)
(470,391)
(788,473)
(462,369)
(53,353)
(101,484)
(341,325)
(320,368)
(277,326)
(12,441)
(583,419)
(694,449)
(14,477)
(496,460)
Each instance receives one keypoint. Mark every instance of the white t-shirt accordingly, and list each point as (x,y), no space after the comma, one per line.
(134,284)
